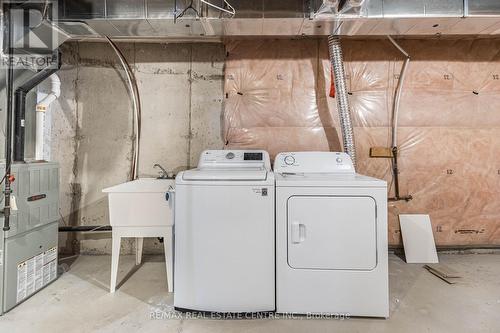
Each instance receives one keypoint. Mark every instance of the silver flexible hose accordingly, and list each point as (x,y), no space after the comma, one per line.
(136,104)
(398,92)
(341,95)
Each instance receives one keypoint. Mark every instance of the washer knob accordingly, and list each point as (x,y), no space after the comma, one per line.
(230,156)
(339,160)
(289,160)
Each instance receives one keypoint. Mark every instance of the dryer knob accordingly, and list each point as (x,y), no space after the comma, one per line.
(289,160)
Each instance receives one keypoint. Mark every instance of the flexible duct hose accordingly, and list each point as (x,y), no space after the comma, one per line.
(335,50)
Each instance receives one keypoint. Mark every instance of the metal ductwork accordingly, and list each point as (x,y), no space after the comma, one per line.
(33,24)
(153,19)
(133,19)
(336,58)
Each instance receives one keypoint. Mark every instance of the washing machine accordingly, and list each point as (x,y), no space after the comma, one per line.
(225,234)
(331,237)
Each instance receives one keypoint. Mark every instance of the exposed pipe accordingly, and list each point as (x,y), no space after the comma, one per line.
(395,117)
(20,108)
(337,61)
(91,228)
(8,124)
(85,228)
(41,109)
(134,91)
(397,94)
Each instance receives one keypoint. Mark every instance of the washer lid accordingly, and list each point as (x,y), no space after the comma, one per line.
(327,180)
(240,174)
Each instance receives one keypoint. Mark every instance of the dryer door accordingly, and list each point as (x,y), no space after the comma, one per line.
(332,232)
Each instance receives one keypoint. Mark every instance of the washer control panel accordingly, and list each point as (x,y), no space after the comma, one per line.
(234,158)
(313,162)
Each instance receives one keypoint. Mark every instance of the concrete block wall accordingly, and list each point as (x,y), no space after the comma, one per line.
(181,91)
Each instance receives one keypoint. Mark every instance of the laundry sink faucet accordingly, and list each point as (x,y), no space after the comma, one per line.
(163,172)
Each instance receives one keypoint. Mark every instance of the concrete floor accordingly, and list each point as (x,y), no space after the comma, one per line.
(79,302)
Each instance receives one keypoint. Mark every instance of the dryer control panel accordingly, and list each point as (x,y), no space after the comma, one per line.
(313,162)
(234,159)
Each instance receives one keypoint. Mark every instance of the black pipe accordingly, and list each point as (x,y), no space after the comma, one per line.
(91,228)
(85,228)
(20,108)
(8,124)
(395,171)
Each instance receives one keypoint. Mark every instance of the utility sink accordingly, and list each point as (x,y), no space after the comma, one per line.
(145,202)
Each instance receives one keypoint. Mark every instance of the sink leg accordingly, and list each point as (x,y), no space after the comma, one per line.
(169,260)
(139,242)
(115,256)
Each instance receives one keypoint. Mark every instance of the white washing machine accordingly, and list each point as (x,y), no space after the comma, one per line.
(224,233)
(331,237)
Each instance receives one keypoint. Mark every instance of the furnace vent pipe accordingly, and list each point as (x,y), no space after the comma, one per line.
(346,127)
(55,92)
(20,108)
(41,109)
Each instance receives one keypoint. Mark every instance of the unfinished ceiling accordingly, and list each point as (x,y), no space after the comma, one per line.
(159,18)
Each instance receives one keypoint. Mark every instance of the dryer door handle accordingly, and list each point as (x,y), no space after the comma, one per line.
(298,232)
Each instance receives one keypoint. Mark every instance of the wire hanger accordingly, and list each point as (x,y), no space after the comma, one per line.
(190,6)
(231,10)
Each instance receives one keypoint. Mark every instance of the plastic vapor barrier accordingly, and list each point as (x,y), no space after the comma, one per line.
(277,98)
